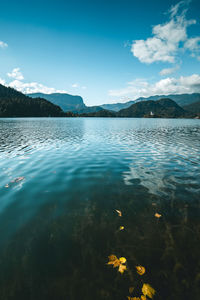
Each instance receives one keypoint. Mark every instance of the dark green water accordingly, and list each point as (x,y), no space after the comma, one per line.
(60,183)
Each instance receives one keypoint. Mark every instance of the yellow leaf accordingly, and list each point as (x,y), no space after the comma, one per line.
(147,290)
(143,297)
(121,228)
(131,289)
(113,260)
(122,268)
(116,263)
(140,270)
(122,260)
(157,215)
(119,212)
(112,257)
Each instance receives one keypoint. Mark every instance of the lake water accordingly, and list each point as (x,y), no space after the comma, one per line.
(61,181)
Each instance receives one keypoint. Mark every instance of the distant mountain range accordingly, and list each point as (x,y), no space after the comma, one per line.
(76,104)
(67,102)
(163,108)
(182,100)
(16,104)
(193,107)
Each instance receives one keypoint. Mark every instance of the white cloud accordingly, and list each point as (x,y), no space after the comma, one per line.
(2,81)
(174,9)
(193,45)
(168,71)
(27,87)
(75,85)
(169,85)
(3,45)
(16,74)
(167,38)
(33,87)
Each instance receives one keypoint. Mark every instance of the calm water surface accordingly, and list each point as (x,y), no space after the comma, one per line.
(60,183)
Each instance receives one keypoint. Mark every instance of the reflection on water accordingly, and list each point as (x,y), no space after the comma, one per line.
(62,179)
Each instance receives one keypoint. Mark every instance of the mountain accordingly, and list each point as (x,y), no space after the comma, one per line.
(16,104)
(117,106)
(194,108)
(163,108)
(182,100)
(101,113)
(89,109)
(66,101)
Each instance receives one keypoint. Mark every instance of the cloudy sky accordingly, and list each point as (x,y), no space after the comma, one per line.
(106,51)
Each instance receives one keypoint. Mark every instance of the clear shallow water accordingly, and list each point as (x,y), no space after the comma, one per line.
(60,182)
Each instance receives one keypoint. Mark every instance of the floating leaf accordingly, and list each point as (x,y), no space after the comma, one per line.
(131,289)
(112,257)
(122,268)
(147,290)
(119,212)
(121,228)
(113,260)
(157,215)
(122,260)
(140,270)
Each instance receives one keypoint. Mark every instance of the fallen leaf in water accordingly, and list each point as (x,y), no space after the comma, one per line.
(113,260)
(122,268)
(157,215)
(140,270)
(147,290)
(122,260)
(121,228)
(112,257)
(131,289)
(153,204)
(119,212)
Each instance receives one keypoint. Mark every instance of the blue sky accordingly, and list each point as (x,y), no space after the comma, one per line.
(105,51)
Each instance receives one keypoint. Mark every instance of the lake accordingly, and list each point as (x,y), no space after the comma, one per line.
(62,180)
